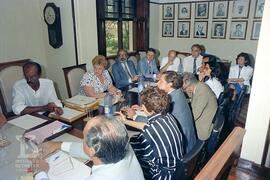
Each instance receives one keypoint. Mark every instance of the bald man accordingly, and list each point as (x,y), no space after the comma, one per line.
(106,144)
(170,63)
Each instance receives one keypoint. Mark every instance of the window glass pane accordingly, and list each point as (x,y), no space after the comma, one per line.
(111,37)
(128,35)
(112,9)
(128,9)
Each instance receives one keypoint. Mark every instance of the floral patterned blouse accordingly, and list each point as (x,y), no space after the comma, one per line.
(90,79)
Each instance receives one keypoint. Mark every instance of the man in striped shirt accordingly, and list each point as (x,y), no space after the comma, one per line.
(159,146)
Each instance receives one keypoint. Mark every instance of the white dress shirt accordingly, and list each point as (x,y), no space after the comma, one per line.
(215,86)
(246,73)
(128,168)
(23,95)
(172,67)
(188,63)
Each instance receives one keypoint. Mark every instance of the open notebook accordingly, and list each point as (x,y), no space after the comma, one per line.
(68,115)
(63,166)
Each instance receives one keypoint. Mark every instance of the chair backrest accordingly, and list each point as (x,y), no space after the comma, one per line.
(73,76)
(182,55)
(223,159)
(10,72)
(134,60)
(109,67)
(189,162)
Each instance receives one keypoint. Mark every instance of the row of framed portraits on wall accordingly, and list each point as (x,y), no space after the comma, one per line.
(220,10)
(218,31)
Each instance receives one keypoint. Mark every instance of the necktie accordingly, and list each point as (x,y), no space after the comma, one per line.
(194,66)
(240,69)
(126,69)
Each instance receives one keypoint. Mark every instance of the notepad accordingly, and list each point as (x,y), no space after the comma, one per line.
(68,115)
(26,121)
(63,166)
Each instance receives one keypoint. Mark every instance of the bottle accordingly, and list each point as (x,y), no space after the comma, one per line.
(108,105)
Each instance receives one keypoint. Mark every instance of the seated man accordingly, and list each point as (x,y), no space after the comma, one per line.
(3,120)
(123,70)
(203,104)
(170,63)
(147,66)
(106,143)
(193,62)
(34,94)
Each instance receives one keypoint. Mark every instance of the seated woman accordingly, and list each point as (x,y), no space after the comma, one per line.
(241,73)
(159,146)
(95,84)
(210,74)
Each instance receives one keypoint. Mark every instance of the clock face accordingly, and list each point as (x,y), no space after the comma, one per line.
(49,15)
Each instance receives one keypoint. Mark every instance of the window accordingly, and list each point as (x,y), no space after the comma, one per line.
(118,24)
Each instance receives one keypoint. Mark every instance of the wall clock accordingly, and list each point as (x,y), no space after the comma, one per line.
(52,18)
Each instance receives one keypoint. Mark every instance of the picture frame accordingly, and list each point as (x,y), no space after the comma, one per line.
(184,11)
(256,28)
(201,10)
(200,29)
(240,9)
(220,9)
(183,29)
(218,29)
(168,11)
(259,8)
(238,30)
(167,28)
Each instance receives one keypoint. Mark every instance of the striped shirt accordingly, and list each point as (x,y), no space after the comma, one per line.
(159,147)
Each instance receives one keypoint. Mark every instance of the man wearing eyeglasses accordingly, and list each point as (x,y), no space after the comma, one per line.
(34,94)
(193,62)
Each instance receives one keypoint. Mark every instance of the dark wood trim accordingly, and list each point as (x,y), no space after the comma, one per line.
(183,53)
(66,70)
(2,67)
(266,146)
(74,32)
(133,53)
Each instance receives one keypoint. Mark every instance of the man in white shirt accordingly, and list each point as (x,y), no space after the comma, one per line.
(193,62)
(34,94)
(170,63)
(106,143)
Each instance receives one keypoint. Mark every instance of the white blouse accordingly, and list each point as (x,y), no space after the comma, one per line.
(215,86)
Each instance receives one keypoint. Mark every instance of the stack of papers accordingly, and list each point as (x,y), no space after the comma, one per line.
(63,166)
(68,115)
(81,103)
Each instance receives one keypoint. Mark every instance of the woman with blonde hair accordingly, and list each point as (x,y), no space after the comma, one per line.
(95,84)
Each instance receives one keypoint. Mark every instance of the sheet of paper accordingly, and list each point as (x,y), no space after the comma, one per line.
(27,121)
(135,89)
(81,100)
(63,166)
(69,113)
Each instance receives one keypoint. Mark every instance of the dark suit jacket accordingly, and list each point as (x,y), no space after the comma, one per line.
(204,106)
(119,74)
(181,111)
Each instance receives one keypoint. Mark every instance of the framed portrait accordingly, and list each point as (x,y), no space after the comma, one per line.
(259,9)
(183,29)
(184,11)
(200,29)
(238,30)
(201,10)
(218,30)
(167,28)
(168,11)
(256,28)
(220,9)
(240,8)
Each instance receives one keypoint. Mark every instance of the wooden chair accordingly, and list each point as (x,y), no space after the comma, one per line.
(73,76)
(224,158)
(10,72)
(182,55)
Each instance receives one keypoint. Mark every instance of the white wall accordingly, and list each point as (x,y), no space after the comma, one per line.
(223,48)
(20,31)
(259,111)
(154,25)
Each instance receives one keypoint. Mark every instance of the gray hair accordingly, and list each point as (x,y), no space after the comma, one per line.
(109,138)
(189,79)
